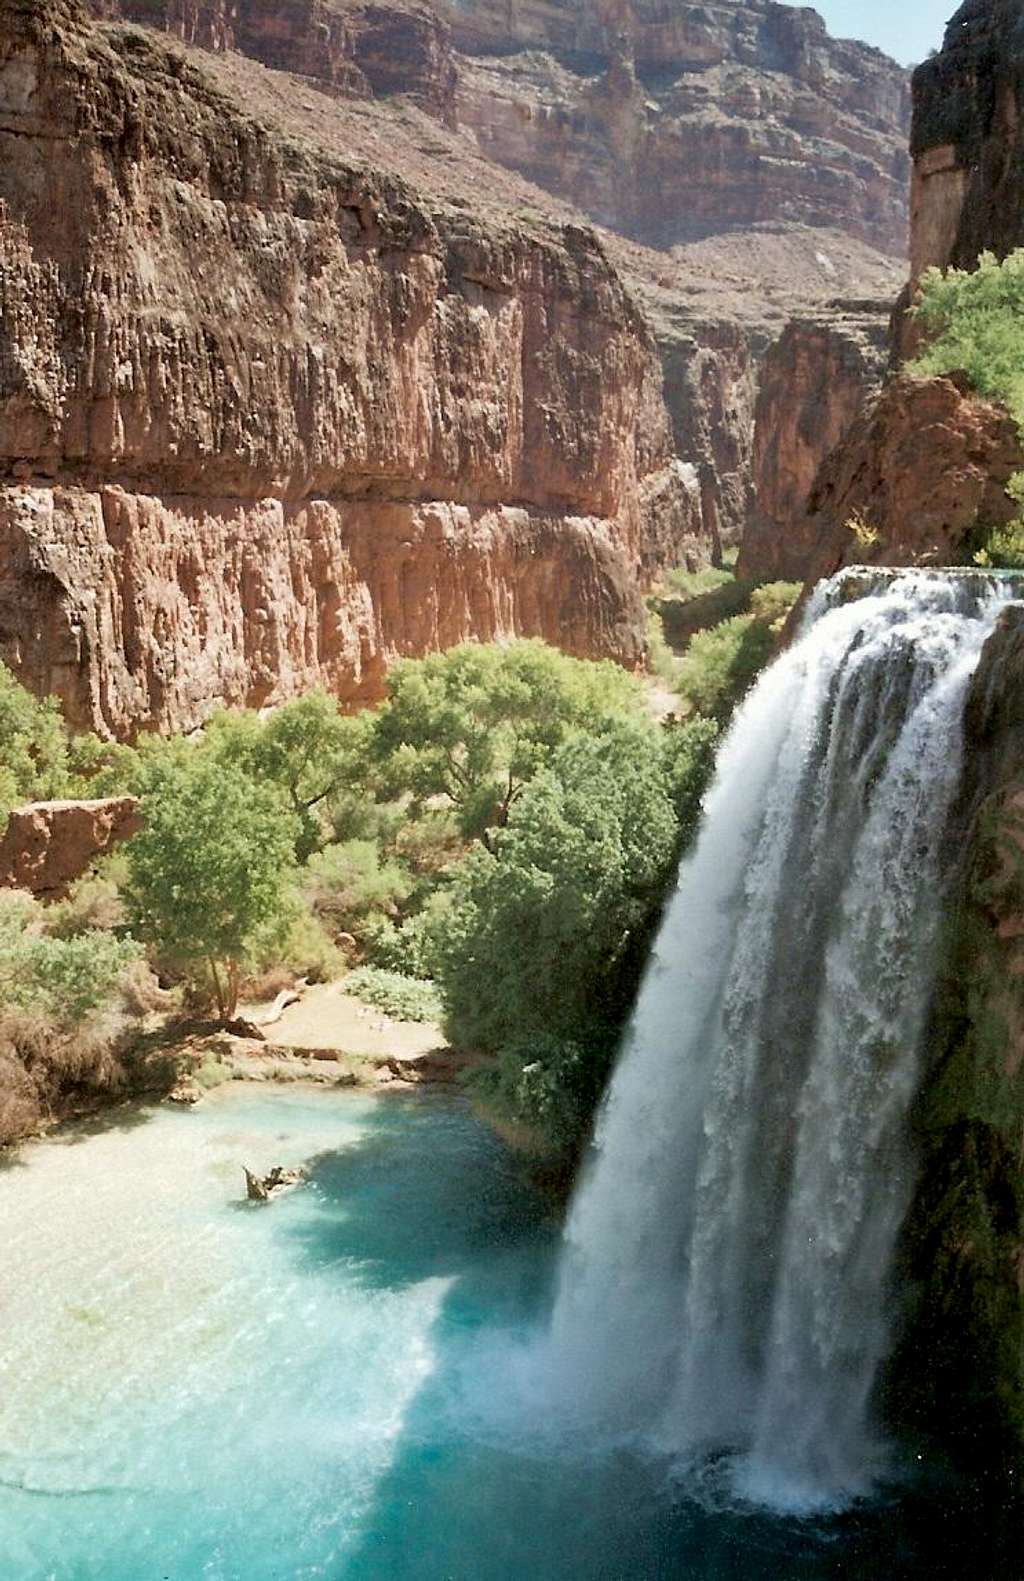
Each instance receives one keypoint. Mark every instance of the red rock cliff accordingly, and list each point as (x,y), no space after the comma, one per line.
(670,122)
(269,418)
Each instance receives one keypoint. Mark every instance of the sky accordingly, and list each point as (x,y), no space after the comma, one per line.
(905,29)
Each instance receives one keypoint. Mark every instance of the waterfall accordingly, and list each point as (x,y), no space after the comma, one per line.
(725,1287)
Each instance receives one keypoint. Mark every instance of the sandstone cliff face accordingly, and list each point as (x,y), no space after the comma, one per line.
(924,469)
(742,96)
(674,123)
(48,844)
(269,418)
(816,381)
(967,143)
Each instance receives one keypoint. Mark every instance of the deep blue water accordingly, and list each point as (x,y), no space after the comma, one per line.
(333,1386)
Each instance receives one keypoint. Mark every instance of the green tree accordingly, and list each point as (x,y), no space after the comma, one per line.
(307,748)
(541,933)
(213,864)
(475,724)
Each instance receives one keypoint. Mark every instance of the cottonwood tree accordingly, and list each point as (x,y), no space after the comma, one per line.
(212,865)
(474,725)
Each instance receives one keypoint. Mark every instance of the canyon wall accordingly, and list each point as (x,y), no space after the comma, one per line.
(964,1241)
(967,139)
(924,467)
(670,123)
(743,125)
(817,379)
(269,417)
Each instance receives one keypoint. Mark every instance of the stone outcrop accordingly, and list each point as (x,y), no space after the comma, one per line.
(269,417)
(613,109)
(816,381)
(967,143)
(926,466)
(669,123)
(923,473)
(48,844)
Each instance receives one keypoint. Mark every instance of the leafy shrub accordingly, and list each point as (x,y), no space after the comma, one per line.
(720,665)
(94,901)
(1003,547)
(864,532)
(65,979)
(294,943)
(547,1084)
(407,948)
(403,998)
(43,1060)
(975,319)
(688,755)
(691,584)
(348,884)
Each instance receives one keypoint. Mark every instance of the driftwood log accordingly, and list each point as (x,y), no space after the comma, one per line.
(261,1188)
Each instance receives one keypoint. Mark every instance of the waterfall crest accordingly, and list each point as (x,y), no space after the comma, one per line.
(725,1282)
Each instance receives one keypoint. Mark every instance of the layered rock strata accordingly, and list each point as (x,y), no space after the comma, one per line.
(670,123)
(269,418)
(967,139)
(395,46)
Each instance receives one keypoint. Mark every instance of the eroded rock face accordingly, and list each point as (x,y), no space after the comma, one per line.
(816,381)
(397,46)
(615,108)
(924,470)
(48,844)
(674,123)
(268,418)
(968,139)
(967,143)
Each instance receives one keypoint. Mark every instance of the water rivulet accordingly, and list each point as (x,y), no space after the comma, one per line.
(726,1284)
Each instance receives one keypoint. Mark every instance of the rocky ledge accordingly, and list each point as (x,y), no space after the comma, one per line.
(48,844)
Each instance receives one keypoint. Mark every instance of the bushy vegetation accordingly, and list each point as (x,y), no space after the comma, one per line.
(210,870)
(975,322)
(720,664)
(490,847)
(405,998)
(61,998)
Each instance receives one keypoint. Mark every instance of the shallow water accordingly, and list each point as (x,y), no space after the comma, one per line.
(338,1385)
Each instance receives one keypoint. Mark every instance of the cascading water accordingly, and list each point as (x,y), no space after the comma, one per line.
(725,1284)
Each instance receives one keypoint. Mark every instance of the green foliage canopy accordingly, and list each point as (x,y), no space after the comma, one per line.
(475,724)
(538,931)
(976,321)
(64,978)
(213,863)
